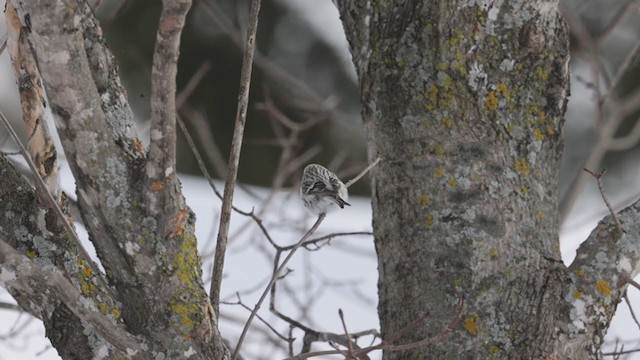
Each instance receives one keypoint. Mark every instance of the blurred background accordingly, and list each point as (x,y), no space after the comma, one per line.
(304,101)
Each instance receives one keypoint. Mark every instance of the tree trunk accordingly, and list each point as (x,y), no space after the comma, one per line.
(465,103)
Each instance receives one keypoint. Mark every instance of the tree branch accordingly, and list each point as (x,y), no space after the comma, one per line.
(93,120)
(161,163)
(33,102)
(601,269)
(234,157)
(19,273)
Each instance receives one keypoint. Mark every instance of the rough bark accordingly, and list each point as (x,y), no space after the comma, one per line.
(152,293)
(465,102)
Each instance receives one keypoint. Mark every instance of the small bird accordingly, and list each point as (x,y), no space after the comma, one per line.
(321,190)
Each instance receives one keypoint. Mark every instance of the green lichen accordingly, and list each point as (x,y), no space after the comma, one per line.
(187,303)
(187,261)
(186,313)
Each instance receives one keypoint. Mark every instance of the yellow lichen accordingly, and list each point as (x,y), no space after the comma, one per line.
(494,350)
(543,73)
(538,134)
(104,308)
(31,254)
(439,172)
(577,294)
(87,288)
(580,273)
(446,121)
(493,252)
(186,261)
(550,131)
(503,90)
(539,215)
(471,325)
(602,286)
(424,200)
(522,167)
(438,150)
(492,101)
(428,220)
(459,67)
(432,97)
(184,312)
(452,182)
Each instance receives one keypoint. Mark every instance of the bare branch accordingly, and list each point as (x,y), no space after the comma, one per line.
(161,164)
(279,75)
(598,177)
(8,306)
(633,314)
(363,172)
(603,142)
(273,280)
(234,157)
(346,332)
(386,344)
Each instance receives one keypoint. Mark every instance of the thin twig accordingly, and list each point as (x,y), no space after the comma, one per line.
(273,280)
(598,176)
(192,84)
(262,320)
(633,314)
(292,85)
(621,352)
(386,344)
(3,43)
(633,283)
(234,158)
(8,306)
(366,170)
(346,332)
